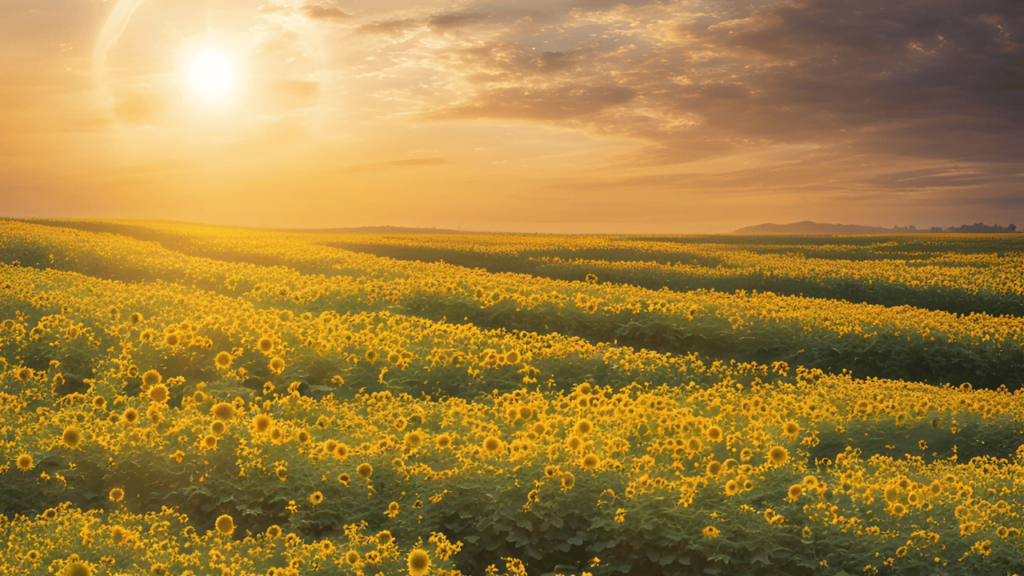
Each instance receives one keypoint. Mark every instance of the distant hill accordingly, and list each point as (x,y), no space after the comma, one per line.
(377,230)
(808,227)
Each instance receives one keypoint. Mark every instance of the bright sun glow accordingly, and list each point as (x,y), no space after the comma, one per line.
(210,73)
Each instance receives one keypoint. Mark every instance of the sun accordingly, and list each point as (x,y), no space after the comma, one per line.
(210,72)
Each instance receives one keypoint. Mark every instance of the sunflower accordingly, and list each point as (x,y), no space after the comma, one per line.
(419,562)
(151,378)
(491,445)
(210,442)
(158,393)
(364,470)
(266,345)
(223,410)
(71,437)
(413,440)
(714,434)
(225,524)
(217,428)
(316,498)
(344,478)
(384,538)
(274,532)
(778,455)
(75,567)
(590,461)
(714,468)
(116,495)
(568,480)
(24,462)
(131,415)
(791,429)
(276,365)
(583,427)
(710,532)
(731,488)
(795,491)
(352,558)
(222,360)
(261,423)
(443,441)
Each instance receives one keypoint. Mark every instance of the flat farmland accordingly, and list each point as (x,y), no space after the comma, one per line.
(183,399)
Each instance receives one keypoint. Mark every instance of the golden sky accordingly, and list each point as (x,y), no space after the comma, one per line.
(514,115)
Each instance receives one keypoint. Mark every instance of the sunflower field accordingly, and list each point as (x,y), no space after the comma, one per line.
(189,400)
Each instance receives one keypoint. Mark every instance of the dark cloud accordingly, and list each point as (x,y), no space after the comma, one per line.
(452,20)
(319,12)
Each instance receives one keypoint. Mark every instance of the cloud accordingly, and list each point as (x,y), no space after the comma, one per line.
(318,12)
(558,103)
(396,26)
(452,20)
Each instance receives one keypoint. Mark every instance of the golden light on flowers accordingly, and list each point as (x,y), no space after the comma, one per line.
(24,462)
(222,360)
(418,562)
(225,524)
(659,423)
(71,437)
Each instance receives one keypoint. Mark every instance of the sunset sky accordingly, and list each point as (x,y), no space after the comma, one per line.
(514,115)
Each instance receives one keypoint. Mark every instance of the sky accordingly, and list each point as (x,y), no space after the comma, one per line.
(514,115)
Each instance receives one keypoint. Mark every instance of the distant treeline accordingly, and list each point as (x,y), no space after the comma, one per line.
(962,229)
